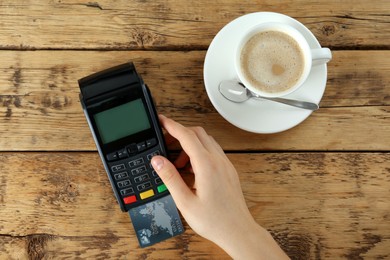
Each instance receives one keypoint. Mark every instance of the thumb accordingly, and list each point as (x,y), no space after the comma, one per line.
(172,179)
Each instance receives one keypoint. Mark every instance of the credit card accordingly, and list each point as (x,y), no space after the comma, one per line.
(156,221)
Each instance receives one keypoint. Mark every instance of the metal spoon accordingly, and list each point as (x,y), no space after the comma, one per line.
(237,92)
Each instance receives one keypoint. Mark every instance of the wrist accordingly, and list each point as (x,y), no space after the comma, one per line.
(251,241)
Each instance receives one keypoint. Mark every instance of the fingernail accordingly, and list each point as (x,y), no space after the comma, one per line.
(157,163)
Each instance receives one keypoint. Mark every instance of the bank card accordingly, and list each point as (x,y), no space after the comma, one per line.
(156,221)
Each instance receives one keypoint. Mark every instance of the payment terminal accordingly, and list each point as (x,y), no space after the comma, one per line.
(123,120)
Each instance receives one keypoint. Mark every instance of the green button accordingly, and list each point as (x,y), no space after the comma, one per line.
(161,188)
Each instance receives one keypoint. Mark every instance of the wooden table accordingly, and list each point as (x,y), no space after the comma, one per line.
(321,188)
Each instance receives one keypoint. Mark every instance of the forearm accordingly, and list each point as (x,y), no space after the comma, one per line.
(251,242)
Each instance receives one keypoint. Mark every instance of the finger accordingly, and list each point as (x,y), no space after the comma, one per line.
(169,139)
(181,160)
(170,176)
(216,145)
(188,139)
(204,138)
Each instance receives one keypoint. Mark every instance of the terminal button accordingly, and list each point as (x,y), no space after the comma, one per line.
(112,156)
(119,167)
(132,148)
(125,183)
(127,191)
(146,194)
(120,175)
(144,186)
(122,153)
(151,142)
(161,188)
(138,170)
(150,156)
(130,199)
(141,178)
(141,146)
(136,162)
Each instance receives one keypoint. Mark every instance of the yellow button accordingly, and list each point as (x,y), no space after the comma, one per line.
(146,194)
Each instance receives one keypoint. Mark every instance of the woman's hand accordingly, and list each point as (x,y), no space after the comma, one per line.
(215,207)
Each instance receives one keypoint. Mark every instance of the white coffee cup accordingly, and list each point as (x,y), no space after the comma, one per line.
(308,57)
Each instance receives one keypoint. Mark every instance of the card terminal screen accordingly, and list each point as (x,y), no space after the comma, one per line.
(121,121)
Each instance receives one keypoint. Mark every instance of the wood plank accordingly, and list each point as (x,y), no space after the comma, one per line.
(44,246)
(40,110)
(13,247)
(358,78)
(309,201)
(177,24)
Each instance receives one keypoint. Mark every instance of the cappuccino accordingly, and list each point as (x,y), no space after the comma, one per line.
(272,61)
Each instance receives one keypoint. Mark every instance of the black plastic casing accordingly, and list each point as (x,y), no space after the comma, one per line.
(110,88)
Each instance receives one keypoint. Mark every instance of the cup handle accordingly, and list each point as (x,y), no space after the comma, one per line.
(320,56)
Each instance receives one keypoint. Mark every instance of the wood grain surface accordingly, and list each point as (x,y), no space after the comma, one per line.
(322,188)
(40,106)
(341,200)
(181,24)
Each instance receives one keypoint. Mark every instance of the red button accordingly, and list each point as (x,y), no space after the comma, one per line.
(130,199)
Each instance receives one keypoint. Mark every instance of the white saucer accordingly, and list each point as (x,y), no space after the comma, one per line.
(258,116)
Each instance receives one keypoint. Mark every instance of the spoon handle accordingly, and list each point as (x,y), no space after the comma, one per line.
(294,103)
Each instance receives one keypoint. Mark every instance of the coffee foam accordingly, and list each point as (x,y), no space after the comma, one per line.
(272,61)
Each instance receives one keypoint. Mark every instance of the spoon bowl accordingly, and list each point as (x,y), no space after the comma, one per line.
(237,92)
